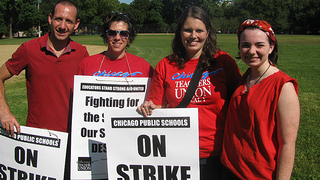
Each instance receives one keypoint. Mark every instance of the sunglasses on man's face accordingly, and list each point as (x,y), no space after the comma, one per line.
(123,34)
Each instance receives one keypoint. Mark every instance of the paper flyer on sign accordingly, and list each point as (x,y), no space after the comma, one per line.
(93,99)
(162,146)
(33,154)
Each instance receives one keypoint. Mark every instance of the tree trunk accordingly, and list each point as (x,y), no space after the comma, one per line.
(10,29)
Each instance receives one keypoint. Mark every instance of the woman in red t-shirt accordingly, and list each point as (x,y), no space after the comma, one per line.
(195,41)
(264,113)
(118,33)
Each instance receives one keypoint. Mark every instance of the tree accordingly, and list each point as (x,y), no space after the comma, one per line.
(274,12)
(313,14)
(18,15)
(304,15)
(213,8)
(154,21)
(139,11)
(3,24)
(93,12)
(171,12)
(44,11)
(294,16)
(124,7)
(148,15)
(10,15)
(28,16)
(172,9)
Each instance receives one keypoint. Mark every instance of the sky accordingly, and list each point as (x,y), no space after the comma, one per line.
(125,1)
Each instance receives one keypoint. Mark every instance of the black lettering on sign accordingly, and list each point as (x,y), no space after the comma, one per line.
(102,133)
(132,102)
(150,122)
(112,87)
(20,156)
(98,102)
(88,117)
(160,172)
(158,145)
(88,132)
(98,148)
(120,170)
(10,173)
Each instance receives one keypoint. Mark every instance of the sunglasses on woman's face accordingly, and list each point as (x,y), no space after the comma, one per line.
(123,34)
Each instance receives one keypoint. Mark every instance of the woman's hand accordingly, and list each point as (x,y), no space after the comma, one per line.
(146,108)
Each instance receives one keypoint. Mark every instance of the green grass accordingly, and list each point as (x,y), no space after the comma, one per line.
(299,57)
(16,95)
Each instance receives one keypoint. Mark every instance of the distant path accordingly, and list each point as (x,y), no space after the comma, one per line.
(6,52)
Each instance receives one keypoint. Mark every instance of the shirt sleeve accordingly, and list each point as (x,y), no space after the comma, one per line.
(233,73)
(157,88)
(81,68)
(86,54)
(18,61)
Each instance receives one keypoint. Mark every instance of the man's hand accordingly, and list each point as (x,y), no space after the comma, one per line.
(8,123)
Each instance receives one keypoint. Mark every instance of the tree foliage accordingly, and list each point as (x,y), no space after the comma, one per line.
(285,16)
(3,23)
(44,11)
(18,15)
(93,13)
(28,16)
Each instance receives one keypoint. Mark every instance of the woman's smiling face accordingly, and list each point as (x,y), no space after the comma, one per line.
(254,47)
(193,36)
(117,44)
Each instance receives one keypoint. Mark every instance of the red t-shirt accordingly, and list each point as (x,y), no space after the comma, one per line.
(250,146)
(49,81)
(215,88)
(101,65)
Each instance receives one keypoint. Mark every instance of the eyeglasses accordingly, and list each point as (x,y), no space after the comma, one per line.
(123,34)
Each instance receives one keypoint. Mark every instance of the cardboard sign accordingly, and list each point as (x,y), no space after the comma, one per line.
(94,98)
(33,154)
(162,146)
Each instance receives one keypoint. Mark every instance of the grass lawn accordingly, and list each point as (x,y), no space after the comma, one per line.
(299,57)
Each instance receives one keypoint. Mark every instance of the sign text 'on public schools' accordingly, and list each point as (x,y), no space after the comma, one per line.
(33,154)
(34,139)
(154,122)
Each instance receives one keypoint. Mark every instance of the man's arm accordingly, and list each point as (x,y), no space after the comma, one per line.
(8,120)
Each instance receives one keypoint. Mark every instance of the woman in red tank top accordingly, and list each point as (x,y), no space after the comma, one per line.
(263,116)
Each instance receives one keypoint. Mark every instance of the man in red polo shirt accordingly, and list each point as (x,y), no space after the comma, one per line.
(50,62)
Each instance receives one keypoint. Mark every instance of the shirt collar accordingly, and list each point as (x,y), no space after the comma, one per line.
(44,45)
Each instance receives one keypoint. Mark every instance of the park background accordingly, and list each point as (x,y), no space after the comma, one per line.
(29,17)
(299,55)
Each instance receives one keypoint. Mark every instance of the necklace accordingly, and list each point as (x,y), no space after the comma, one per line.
(260,76)
(126,61)
(127,64)
(101,64)
(129,69)
(248,82)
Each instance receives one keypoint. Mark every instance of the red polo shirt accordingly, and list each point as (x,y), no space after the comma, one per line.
(49,81)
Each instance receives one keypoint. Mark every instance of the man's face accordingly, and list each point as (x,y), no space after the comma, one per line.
(64,22)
